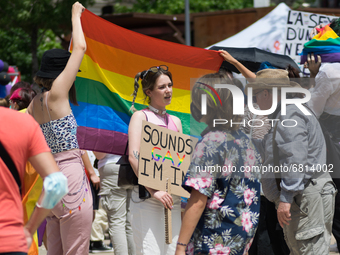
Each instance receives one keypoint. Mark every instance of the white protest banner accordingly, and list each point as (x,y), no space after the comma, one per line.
(299,25)
(164,154)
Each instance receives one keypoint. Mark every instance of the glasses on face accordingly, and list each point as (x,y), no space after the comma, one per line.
(155,69)
(254,96)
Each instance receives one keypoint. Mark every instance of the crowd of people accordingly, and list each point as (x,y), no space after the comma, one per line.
(228,212)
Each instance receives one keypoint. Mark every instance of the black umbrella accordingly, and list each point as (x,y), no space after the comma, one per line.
(253,57)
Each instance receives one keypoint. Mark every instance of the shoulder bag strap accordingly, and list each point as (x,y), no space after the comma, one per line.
(127,143)
(276,159)
(10,165)
(306,105)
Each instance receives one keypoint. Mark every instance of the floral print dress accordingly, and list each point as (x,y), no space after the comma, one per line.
(223,168)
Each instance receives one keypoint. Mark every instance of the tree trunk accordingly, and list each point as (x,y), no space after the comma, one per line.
(34,50)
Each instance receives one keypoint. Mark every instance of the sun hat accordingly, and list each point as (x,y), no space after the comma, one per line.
(53,63)
(270,78)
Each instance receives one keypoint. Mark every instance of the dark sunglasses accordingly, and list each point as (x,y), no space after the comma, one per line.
(254,96)
(155,69)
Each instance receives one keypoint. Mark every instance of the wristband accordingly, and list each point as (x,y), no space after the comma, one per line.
(183,244)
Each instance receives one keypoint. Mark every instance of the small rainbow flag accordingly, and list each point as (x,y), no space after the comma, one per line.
(105,84)
(326,44)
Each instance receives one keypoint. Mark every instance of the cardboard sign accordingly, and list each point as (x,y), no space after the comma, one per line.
(164,154)
(299,25)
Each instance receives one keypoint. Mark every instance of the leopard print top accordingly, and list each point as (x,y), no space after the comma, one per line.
(61,134)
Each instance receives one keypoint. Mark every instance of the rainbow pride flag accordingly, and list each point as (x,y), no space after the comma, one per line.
(105,84)
(326,44)
(33,185)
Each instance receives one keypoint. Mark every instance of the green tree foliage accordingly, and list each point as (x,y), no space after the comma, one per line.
(15,49)
(29,27)
(178,6)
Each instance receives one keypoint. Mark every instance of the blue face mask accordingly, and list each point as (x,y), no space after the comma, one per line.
(55,187)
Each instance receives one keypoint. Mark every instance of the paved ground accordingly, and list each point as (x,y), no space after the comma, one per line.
(333,242)
(42,250)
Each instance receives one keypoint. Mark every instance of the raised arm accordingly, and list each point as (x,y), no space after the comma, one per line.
(313,64)
(63,83)
(243,70)
(314,31)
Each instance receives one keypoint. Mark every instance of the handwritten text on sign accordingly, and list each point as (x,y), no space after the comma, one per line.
(299,25)
(164,154)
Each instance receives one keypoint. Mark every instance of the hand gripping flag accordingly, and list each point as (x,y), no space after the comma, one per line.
(326,44)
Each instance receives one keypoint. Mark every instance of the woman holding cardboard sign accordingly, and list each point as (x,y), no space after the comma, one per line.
(148,214)
(222,213)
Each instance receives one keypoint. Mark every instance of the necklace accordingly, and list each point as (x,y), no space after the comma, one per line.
(156,110)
